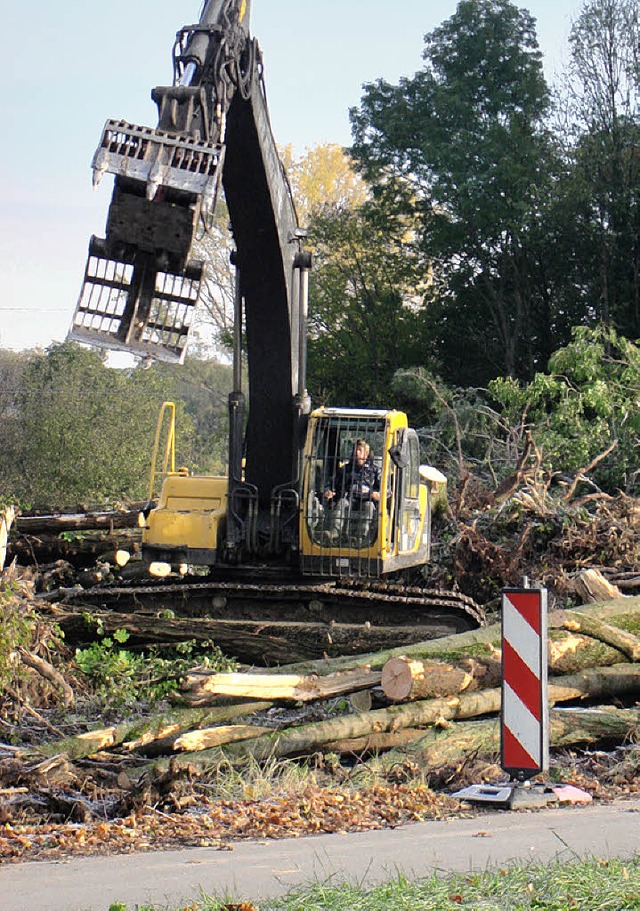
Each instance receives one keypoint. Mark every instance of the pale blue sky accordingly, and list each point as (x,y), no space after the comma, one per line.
(72,64)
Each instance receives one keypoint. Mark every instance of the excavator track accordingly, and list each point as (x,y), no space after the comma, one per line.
(280,622)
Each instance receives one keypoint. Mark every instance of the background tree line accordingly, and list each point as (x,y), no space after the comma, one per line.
(477,263)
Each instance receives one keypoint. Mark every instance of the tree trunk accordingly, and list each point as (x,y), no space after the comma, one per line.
(308,738)
(617,638)
(623,613)
(198,688)
(408,679)
(457,742)
(256,642)
(204,739)
(375,743)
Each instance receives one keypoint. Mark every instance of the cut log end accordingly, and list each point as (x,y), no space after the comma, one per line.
(397,678)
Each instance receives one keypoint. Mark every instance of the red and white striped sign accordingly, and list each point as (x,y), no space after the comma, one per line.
(525,704)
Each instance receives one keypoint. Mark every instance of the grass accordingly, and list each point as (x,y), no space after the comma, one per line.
(594,885)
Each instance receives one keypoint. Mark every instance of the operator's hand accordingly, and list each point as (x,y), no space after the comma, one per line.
(329,494)
(375,496)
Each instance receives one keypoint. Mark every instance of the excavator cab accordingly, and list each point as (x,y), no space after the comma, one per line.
(345,529)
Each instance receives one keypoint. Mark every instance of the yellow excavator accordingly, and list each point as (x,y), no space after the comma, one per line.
(283,516)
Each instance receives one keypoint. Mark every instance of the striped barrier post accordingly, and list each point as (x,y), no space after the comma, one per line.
(525,704)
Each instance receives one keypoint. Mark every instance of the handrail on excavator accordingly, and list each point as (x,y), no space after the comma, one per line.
(169,460)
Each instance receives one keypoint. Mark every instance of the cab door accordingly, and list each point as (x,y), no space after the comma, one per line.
(409,515)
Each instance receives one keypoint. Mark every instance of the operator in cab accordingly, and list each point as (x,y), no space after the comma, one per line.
(356,487)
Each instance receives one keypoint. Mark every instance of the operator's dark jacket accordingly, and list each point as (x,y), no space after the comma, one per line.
(357,482)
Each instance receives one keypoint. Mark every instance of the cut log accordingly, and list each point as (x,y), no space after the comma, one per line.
(165,734)
(309,738)
(617,638)
(591,586)
(193,741)
(596,683)
(82,550)
(565,648)
(146,731)
(7,516)
(117,558)
(460,741)
(407,679)
(249,640)
(256,642)
(289,687)
(86,521)
(99,574)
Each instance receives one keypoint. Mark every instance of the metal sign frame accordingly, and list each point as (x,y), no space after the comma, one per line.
(524,717)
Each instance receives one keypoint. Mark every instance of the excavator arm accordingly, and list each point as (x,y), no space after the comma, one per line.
(142,281)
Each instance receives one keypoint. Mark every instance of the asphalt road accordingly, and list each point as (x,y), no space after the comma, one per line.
(254,871)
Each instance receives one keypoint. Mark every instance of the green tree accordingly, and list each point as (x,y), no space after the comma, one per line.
(202,386)
(465,140)
(84,432)
(602,98)
(586,401)
(366,294)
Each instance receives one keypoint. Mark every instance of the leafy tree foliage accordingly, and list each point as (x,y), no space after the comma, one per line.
(78,432)
(365,305)
(466,139)
(201,386)
(602,95)
(323,180)
(588,399)
(87,431)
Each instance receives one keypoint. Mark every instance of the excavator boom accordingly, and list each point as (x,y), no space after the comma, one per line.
(282,508)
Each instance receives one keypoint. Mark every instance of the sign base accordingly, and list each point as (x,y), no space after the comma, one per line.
(509,795)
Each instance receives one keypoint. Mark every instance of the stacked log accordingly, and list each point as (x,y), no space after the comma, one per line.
(434,693)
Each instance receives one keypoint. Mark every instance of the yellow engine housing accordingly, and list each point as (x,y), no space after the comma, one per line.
(188,522)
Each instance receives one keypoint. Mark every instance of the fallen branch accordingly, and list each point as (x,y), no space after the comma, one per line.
(48,672)
(580,476)
(31,711)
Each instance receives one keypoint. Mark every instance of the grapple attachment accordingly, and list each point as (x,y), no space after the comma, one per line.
(159,159)
(133,305)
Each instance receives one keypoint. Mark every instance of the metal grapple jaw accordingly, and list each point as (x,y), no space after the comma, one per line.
(159,158)
(132,304)
(141,287)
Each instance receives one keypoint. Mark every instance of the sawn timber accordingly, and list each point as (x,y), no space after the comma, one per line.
(270,623)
